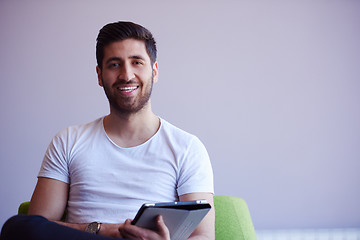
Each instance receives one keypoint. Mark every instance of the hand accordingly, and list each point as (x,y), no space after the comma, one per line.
(133,232)
(111,230)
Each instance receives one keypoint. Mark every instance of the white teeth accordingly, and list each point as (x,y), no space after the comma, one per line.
(127,89)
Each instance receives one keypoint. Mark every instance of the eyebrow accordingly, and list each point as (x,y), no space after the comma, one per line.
(113,59)
(120,60)
(137,57)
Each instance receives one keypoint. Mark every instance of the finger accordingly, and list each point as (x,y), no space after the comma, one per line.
(130,231)
(162,228)
(124,226)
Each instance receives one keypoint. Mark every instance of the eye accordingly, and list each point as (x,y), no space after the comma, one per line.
(137,63)
(114,65)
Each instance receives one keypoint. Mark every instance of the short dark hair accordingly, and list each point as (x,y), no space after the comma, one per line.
(118,31)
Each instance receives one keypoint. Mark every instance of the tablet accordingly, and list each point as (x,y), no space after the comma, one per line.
(181,218)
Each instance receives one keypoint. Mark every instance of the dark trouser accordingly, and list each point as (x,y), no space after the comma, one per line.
(25,227)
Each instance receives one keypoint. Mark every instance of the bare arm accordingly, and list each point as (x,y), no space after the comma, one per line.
(49,200)
(206,229)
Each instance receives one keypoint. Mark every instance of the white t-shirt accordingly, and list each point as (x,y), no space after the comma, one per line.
(109,183)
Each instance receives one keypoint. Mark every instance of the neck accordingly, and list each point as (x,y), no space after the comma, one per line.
(130,130)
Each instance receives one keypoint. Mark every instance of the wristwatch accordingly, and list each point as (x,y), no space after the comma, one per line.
(93,227)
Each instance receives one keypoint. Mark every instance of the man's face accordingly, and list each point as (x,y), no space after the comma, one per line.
(127,75)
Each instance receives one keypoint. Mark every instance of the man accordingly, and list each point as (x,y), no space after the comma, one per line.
(103,171)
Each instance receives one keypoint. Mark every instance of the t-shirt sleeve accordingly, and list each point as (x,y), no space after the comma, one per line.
(196,174)
(54,164)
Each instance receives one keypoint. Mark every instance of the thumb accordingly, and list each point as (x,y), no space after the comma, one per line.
(163,230)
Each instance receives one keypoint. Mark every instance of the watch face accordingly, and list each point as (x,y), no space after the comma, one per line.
(93,227)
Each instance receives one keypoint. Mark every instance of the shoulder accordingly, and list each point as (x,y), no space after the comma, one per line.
(173,131)
(81,130)
(177,136)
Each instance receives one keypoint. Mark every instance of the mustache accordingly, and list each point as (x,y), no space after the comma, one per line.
(124,82)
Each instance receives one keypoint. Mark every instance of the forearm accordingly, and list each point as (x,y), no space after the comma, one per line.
(106,229)
(77,226)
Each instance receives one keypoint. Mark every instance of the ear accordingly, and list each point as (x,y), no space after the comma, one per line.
(156,72)
(98,71)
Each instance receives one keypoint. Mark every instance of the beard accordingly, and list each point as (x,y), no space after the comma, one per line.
(128,105)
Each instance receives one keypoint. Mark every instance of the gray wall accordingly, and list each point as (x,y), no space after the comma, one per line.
(271,87)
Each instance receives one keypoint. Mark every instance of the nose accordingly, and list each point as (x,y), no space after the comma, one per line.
(126,72)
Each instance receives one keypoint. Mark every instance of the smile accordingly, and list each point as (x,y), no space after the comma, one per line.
(127,89)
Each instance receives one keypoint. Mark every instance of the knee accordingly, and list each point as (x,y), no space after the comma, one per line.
(19,226)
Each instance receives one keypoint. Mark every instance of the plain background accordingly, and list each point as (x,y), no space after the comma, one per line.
(272,88)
